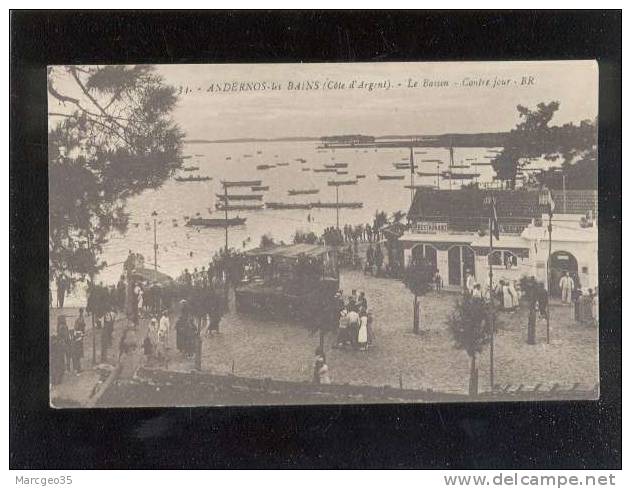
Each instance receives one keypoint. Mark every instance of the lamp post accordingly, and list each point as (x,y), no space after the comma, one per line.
(545,200)
(489,201)
(155,241)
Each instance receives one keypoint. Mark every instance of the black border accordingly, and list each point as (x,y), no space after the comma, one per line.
(566,435)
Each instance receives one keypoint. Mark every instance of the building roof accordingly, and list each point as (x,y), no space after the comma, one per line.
(468,204)
(575,201)
(290,251)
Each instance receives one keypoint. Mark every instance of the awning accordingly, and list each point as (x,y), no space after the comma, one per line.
(505,241)
(291,251)
(438,238)
(151,275)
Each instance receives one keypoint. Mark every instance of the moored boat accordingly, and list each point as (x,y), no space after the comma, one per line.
(324,170)
(336,165)
(402,166)
(265,167)
(306,191)
(215,223)
(193,179)
(237,207)
(241,183)
(190,168)
(283,205)
(361,175)
(390,177)
(240,196)
(337,183)
(338,205)
(260,188)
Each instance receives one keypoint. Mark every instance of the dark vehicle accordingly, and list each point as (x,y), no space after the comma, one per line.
(297,281)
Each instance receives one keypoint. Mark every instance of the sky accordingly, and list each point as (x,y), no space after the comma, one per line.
(399,110)
(461,107)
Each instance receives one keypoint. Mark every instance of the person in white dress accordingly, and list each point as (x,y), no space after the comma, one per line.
(362,334)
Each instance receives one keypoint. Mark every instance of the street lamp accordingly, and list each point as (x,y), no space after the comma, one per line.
(545,200)
(155,242)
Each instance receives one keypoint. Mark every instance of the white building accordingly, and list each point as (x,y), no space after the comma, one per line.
(450,230)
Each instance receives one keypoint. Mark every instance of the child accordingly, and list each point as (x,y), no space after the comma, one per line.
(147,347)
(362,334)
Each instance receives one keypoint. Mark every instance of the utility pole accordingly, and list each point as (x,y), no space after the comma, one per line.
(451,163)
(491,205)
(337,206)
(411,175)
(225,207)
(564,199)
(438,175)
(91,291)
(155,242)
(549,276)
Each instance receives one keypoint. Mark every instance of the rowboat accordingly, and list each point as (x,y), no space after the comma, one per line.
(459,176)
(260,188)
(402,166)
(264,167)
(335,183)
(215,223)
(301,160)
(360,176)
(240,196)
(336,165)
(337,205)
(238,207)
(282,205)
(390,177)
(241,183)
(341,172)
(247,156)
(306,191)
(282,164)
(306,169)
(192,179)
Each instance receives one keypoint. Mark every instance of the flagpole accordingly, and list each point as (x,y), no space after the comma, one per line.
(492,319)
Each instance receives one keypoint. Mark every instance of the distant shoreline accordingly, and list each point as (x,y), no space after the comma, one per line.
(488,139)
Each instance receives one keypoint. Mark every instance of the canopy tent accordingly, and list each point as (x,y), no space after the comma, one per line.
(152,276)
(291,251)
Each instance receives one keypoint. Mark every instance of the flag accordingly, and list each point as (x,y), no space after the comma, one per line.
(551,202)
(495,229)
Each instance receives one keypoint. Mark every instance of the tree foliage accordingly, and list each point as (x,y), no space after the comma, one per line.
(111,136)
(470,326)
(534,138)
(418,277)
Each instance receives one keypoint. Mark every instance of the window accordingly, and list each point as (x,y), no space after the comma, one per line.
(503,258)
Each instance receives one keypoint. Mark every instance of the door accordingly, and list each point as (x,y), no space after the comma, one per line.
(455,266)
(562,261)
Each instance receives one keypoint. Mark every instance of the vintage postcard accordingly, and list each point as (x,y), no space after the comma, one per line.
(261,234)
